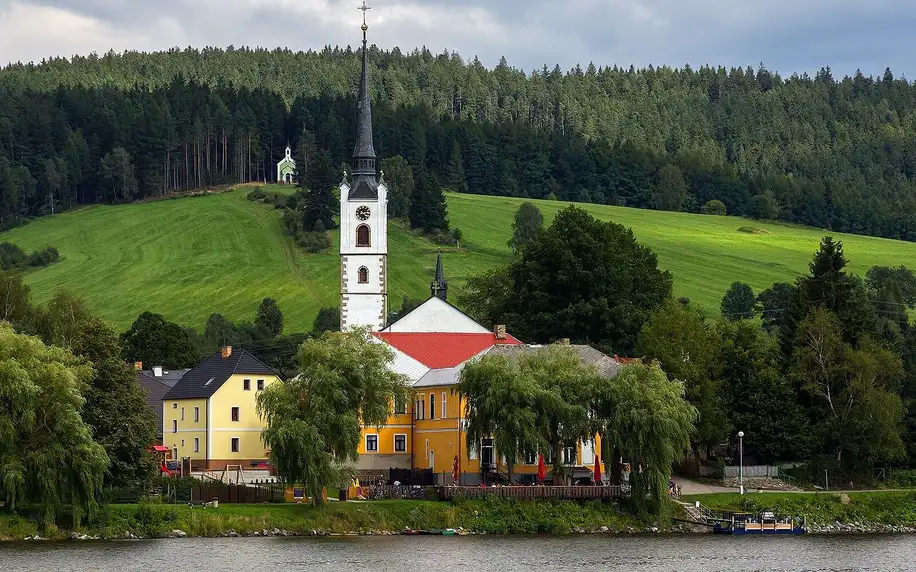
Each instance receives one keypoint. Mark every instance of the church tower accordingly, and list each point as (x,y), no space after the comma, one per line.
(363,224)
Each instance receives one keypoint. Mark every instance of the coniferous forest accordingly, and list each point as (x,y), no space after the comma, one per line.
(836,153)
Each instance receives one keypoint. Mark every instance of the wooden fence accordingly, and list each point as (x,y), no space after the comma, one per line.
(533,492)
(239,493)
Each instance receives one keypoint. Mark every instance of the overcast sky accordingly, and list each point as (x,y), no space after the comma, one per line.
(785,35)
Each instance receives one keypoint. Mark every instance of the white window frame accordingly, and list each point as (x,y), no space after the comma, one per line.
(175,453)
(197,415)
(444,412)
(197,444)
(396,435)
(472,452)
(239,420)
(246,385)
(238,448)
(260,386)
(174,426)
(575,455)
(422,406)
(368,450)
(533,459)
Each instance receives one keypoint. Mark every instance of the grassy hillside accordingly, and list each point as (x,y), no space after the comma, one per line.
(187,258)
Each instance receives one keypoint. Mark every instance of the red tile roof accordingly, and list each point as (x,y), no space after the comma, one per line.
(439,350)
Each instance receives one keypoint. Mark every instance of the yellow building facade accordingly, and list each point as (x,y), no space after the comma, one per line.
(210,416)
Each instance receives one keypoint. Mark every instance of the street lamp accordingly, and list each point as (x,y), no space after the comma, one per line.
(741,461)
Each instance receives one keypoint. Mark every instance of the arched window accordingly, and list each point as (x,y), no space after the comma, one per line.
(363,275)
(362,235)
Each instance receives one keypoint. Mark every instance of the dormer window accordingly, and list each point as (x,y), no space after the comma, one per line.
(362,235)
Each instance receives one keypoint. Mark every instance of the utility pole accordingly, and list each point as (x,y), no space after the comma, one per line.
(51,198)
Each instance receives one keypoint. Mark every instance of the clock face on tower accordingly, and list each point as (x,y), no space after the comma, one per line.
(362,213)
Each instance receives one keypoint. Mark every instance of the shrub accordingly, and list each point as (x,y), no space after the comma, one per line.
(11,256)
(714,207)
(314,242)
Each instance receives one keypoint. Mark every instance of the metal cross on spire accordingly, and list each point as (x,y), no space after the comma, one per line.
(365,27)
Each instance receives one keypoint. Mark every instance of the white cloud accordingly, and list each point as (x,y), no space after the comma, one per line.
(787,35)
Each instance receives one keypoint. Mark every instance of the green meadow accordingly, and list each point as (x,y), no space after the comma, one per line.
(187,258)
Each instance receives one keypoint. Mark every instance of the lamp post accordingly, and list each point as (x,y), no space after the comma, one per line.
(741,461)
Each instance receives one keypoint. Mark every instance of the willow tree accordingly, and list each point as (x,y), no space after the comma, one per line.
(643,417)
(47,455)
(500,404)
(314,420)
(565,386)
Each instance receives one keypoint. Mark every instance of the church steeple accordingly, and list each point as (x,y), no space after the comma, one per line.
(364,183)
(439,286)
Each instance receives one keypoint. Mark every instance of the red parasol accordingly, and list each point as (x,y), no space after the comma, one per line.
(597,470)
(542,469)
(455,475)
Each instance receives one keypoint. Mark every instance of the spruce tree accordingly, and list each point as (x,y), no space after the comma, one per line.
(320,204)
(428,210)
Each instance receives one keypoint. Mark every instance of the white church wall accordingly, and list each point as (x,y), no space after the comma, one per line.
(435,315)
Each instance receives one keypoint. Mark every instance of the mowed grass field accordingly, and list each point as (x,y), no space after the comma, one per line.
(187,258)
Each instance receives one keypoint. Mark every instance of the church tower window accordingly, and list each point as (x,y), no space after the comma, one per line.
(363,275)
(362,235)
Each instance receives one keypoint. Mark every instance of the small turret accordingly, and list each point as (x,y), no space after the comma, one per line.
(439,286)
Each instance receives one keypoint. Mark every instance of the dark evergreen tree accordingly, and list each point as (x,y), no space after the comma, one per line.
(400,183)
(428,210)
(319,203)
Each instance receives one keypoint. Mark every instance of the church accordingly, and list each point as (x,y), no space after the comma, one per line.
(430,344)
(286,168)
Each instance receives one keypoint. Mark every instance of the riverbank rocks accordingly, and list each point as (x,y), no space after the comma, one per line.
(859,528)
(178,534)
(760,483)
(77,536)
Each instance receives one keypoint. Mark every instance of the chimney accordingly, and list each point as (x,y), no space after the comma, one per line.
(157,371)
(138,365)
(227,351)
(500,331)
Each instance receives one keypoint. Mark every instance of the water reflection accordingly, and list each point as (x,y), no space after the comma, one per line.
(688,553)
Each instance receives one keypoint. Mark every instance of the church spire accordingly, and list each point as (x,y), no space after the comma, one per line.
(439,286)
(364,151)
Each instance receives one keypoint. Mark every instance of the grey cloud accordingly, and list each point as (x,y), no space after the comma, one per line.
(786,35)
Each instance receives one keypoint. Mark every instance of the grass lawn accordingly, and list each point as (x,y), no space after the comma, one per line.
(891,507)
(187,258)
(494,517)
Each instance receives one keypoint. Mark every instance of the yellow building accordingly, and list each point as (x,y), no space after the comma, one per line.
(210,415)
(430,346)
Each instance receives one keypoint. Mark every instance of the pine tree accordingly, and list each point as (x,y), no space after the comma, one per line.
(427,205)
(320,204)
(455,178)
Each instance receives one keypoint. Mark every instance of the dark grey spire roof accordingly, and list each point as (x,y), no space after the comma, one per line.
(363,184)
(439,287)
(364,148)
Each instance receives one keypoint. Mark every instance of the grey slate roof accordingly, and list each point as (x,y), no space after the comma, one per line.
(168,378)
(605,364)
(154,390)
(436,377)
(363,187)
(205,379)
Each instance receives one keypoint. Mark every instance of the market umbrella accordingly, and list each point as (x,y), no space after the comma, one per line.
(455,470)
(597,470)
(542,469)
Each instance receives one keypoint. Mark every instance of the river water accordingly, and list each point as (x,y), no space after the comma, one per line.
(676,553)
